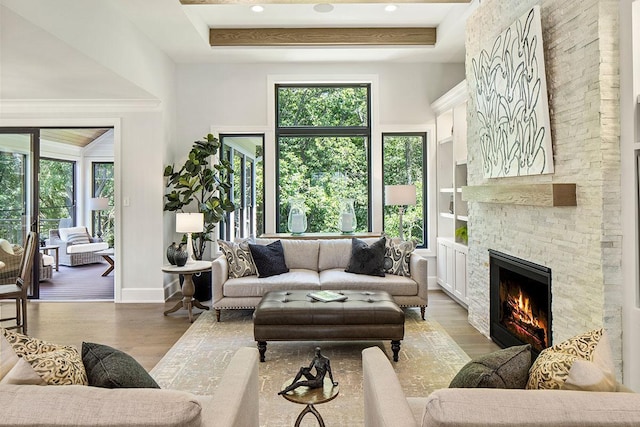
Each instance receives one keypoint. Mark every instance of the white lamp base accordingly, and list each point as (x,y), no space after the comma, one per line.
(190,259)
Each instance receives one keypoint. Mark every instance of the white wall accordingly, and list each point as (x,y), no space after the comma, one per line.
(116,60)
(239,97)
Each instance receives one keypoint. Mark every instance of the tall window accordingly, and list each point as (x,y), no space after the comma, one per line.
(103,187)
(13,197)
(244,152)
(57,194)
(323,135)
(403,163)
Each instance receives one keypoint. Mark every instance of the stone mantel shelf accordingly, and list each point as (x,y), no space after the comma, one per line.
(548,194)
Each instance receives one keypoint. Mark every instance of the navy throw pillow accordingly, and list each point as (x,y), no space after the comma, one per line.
(367,259)
(269,259)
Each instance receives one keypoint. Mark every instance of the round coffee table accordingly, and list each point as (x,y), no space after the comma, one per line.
(188,288)
(311,396)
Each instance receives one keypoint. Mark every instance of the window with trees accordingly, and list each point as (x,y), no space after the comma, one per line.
(404,157)
(13,197)
(103,186)
(323,135)
(244,153)
(57,193)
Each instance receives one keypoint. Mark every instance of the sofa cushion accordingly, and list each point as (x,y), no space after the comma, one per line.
(335,253)
(6,246)
(301,253)
(55,364)
(583,362)
(506,368)
(397,255)
(47,260)
(238,257)
(252,286)
(269,259)
(337,279)
(476,407)
(367,259)
(78,405)
(111,368)
(87,247)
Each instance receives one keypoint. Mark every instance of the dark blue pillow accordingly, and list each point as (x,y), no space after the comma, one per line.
(367,259)
(269,259)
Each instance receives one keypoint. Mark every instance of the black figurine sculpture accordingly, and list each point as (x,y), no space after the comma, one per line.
(322,365)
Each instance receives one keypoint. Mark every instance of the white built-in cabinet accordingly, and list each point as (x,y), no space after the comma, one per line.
(451,176)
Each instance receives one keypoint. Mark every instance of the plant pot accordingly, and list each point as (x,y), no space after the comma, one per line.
(202,284)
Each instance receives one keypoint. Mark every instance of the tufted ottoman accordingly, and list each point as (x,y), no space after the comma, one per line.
(293,316)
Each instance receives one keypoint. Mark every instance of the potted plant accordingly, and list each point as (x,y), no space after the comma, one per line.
(203,186)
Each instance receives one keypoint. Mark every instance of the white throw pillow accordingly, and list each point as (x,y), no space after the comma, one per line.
(6,246)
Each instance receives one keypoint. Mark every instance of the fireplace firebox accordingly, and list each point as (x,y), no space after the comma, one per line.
(520,302)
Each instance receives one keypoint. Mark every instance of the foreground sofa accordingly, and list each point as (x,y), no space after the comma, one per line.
(316,265)
(234,404)
(385,404)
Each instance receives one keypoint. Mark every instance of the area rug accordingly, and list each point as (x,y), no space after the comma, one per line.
(428,360)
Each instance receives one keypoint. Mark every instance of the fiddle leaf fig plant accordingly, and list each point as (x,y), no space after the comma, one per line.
(199,183)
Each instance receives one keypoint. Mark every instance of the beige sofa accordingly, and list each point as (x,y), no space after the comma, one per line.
(316,265)
(234,404)
(385,404)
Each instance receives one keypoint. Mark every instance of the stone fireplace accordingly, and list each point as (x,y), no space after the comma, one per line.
(520,294)
(582,244)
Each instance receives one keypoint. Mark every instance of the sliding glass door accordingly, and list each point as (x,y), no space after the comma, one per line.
(18,192)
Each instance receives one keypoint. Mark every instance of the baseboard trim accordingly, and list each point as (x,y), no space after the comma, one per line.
(144,295)
(432,283)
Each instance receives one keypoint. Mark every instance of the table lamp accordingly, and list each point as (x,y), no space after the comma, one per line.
(189,223)
(400,195)
(99,204)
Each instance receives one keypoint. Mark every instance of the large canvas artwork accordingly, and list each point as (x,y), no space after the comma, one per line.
(511,98)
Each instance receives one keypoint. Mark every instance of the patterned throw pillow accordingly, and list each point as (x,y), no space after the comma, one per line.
(397,255)
(55,364)
(78,239)
(583,362)
(238,257)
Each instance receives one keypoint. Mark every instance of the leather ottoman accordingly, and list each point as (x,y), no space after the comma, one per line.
(294,316)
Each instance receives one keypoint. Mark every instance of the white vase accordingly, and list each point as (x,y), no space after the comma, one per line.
(297,221)
(347,219)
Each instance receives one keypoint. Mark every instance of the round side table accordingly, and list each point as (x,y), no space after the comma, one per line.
(311,396)
(188,289)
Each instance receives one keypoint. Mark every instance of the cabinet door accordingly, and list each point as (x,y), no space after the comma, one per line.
(460,285)
(443,278)
(450,268)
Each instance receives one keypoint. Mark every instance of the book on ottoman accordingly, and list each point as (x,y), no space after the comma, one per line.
(327,296)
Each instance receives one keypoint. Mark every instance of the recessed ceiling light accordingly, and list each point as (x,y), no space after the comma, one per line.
(390,8)
(323,8)
(257,8)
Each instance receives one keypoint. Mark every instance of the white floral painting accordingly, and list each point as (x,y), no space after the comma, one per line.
(511,98)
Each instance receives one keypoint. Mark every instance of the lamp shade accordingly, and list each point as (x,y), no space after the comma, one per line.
(189,222)
(98,203)
(400,195)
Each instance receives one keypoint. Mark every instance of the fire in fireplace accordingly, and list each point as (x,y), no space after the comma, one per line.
(520,294)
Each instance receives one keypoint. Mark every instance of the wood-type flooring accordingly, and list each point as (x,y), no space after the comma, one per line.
(142,330)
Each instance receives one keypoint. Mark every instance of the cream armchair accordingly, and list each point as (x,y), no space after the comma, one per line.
(77,247)
(10,255)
